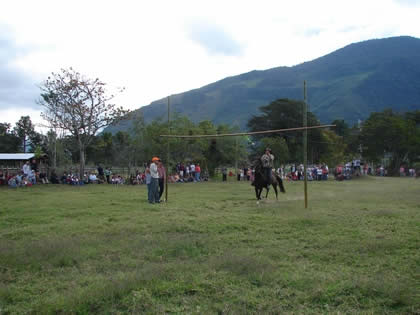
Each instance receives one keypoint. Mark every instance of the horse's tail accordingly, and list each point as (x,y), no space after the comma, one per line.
(280,183)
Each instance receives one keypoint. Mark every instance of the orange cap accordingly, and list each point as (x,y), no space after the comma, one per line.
(155,159)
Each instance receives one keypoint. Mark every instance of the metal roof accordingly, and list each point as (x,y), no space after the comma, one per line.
(16,156)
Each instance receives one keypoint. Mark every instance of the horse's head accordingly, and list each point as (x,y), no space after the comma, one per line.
(257,165)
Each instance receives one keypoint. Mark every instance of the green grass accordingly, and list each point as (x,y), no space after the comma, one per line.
(211,249)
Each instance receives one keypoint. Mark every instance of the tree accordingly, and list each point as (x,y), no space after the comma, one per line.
(341,127)
(9,142)
(123,149)
(138,131)
(392,133)
(101,149)
(78,105)
(286,113)
(25,130)
(336,149)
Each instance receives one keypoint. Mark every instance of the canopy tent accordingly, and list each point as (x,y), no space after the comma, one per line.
(16,156)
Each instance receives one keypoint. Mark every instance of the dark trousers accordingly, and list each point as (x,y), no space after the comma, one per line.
(161,187)
(154,189)
(224,177)
(150,197)
(267,174)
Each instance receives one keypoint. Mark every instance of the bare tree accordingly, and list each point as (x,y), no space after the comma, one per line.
(78,105)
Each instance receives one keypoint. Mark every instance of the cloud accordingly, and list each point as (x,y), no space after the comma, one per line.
(411,3)
(214,39)
(313,32)
(17,89)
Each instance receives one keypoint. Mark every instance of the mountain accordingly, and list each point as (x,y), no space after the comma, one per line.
(348,84)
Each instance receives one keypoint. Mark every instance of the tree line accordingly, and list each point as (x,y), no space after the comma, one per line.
(77,109)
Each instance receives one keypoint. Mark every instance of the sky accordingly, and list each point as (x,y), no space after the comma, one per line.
(159,48)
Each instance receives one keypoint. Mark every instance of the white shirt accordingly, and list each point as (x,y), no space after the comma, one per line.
(153,170)
(26,169)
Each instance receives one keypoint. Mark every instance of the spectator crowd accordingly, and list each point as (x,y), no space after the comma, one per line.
(190,172)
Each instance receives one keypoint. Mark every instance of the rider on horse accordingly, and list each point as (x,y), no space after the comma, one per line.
(267,163)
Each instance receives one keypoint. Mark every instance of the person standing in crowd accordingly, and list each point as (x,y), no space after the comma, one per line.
(149,185)
(101,173)
(32,177)
(162,176)
(192,170)
(224,173)
(319,172)
(108,175)
(247,173)
(34,166)
(26,169)
(197,172)
(267,163)
(181,171)
(155,180)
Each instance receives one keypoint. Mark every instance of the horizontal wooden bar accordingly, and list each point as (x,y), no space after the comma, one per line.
(246,133)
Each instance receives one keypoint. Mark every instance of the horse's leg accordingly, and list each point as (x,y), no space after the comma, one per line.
(275,189)
(258,192)
(266,195)
(281,186)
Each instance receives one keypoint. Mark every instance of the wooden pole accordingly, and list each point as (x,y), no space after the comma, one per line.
(236,158)
(167,157)
(305,145)
(246,133)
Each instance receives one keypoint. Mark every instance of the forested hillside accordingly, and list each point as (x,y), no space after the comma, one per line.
(348,84)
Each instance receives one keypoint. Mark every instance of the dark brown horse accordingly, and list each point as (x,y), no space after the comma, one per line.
(260,181)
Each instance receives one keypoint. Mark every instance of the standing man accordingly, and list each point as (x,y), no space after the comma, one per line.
(34,165)
(267,163)
(101,174)
(192,170)
(26,169)
(197,172)
(150,198)
(155,180)
(162,176)
(224,173)
(181,171)
(34,168)
(108,175)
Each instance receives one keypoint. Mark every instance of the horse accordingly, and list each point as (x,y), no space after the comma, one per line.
(260,181)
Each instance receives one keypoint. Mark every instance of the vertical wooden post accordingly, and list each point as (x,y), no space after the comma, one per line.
(305,145)
(167,156)
(236,158)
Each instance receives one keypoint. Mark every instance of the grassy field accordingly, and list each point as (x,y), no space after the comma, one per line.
(212,249)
